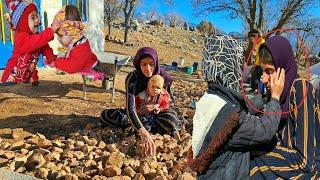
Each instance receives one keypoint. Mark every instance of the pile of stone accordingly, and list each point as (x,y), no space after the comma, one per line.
(186,93)
(95,153)
(89,157)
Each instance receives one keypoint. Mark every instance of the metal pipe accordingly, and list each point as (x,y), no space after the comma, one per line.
(2,23)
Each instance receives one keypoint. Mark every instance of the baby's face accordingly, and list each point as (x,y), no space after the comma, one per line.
(65,40)
(154,90)
(33,22)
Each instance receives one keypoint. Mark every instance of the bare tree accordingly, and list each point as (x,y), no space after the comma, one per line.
(153,15)
(206,27)
(111,9)
(128,8)
(310,33)
(173,19)
(253,11)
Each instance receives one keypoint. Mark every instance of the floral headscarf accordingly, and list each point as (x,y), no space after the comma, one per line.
(68,27)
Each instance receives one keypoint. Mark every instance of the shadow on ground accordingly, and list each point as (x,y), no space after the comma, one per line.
(48,125)
(49,89)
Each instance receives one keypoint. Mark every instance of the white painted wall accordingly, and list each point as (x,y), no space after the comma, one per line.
(51,7)
(95,25)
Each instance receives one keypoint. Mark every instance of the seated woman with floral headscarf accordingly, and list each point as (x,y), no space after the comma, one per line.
(223,130)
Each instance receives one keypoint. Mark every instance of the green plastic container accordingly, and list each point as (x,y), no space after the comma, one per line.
(190,70)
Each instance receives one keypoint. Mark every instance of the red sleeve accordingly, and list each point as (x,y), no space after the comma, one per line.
(27,43)
(48,53)
(74,63)
(164,101)
(137,103)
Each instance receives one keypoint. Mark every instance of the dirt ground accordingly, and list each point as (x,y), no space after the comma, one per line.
(55,106)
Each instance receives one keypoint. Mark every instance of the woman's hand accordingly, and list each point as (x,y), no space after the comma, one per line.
(157,110)
(277,83)
(147,142)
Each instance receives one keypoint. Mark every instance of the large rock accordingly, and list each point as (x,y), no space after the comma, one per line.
(112,147)
(44,143)
(71,176)
(129,171)
(111,170)
(186,176)
(41,173)
(9,154)
(34,161)
(18,132)
(144,169)
(119,178)
(139,176)
(116,158)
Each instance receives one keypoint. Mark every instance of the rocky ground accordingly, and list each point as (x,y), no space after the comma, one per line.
(51,133)
(171,43)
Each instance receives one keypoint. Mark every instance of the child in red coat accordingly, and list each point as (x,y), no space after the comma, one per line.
(79,55)
(155,95)
(28,42)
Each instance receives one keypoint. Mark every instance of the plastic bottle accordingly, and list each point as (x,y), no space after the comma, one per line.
(89,78)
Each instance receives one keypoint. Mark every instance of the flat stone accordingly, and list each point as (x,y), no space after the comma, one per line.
(129,171)
(168,156)
(41,173)
(101,145)
(71,176)
(119,178)
(44,143)
(139,176)
(86,148)
(4,145)
(9,154)
(116,158)
(55,155)
(58,143)
(78,154)
(18,132)
(111,170)
(186,176)
(24,151)
(41,136)
(144,169)
(3,161)
(112,147)
(74,162)
(34,161)
(17,145)
(160,178)
(20,169)
(67,154)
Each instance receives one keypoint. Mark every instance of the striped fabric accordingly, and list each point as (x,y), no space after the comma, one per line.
(16,14)
(297,155)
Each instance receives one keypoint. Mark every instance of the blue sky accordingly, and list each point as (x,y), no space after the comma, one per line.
(184,9)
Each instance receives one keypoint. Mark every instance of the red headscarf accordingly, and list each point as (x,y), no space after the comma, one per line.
(23,25)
